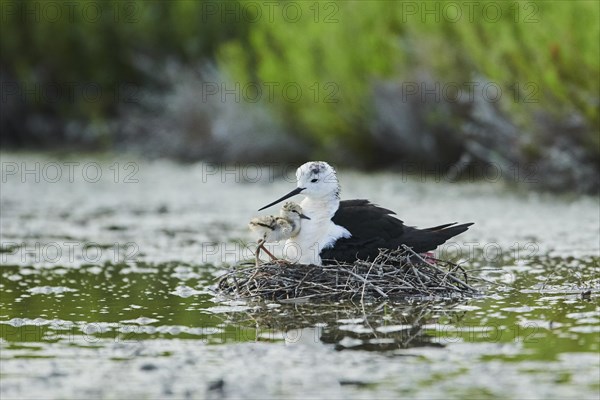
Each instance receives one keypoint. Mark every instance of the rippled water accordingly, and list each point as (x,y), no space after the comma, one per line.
(106,291)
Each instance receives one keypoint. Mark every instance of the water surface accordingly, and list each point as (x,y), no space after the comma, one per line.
(106,292)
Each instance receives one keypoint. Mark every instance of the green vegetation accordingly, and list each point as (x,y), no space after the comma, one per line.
(544,56)
(332,61)
(98,43)
(316,65)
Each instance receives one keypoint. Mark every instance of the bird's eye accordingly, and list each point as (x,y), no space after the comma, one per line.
(314,180)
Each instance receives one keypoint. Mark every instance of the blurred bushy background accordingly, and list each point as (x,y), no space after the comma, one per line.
(431,86)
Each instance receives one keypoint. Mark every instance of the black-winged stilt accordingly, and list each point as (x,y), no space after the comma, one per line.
(270,228)
(348,230)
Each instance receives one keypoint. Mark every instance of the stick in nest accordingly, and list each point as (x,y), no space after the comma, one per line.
(398,273)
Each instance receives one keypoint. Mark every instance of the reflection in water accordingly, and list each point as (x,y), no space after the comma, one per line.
(377,327)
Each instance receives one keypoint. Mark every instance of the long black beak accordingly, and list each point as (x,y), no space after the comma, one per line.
(287,196)
(304,216)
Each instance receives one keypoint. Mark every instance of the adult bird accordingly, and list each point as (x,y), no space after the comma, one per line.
(348,230)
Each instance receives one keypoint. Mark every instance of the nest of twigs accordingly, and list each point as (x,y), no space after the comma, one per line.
(394,274)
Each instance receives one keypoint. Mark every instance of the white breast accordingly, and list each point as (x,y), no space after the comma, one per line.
(316,234)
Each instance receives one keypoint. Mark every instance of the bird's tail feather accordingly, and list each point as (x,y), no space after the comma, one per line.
(451,230)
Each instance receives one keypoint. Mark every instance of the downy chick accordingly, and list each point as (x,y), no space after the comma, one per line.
(270,228)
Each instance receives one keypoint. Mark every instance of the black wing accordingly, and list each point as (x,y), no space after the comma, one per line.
(374,227)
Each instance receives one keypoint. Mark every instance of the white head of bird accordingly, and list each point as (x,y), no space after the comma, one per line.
(317,181)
